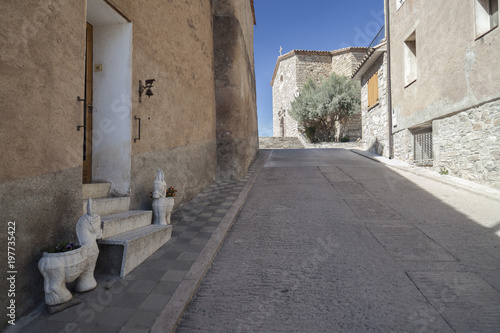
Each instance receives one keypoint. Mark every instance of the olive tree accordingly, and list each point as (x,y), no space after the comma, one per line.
(320,108)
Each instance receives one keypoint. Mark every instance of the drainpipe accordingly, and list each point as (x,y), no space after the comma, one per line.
(389,90)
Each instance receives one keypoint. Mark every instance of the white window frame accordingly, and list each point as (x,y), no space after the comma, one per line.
(410,59)
(399,3)
(486,16)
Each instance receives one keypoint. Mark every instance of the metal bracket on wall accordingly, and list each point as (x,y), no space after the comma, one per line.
(79,99)
(137,118)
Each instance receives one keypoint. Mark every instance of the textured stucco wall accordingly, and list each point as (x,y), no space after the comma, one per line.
(375,120)
(456,91)
(198,171)
(40,73)
(42,66)
(235,90)
(172,43)
(45,209)
(455,71)
(42,46)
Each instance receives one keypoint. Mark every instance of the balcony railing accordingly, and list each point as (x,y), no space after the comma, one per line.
(378,38)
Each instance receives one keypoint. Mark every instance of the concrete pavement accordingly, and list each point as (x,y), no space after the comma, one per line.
(154,295)
(329,241)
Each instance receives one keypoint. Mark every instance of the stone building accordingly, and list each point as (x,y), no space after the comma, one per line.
(443,89)
(292,71)
(73,113)
(372,71)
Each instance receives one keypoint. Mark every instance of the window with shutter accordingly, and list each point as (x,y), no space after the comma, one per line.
(373,90)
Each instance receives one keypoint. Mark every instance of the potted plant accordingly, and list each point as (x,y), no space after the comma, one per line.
(67,262)
(163,199)
(170,201)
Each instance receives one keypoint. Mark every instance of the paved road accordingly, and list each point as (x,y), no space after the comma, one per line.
(330,241)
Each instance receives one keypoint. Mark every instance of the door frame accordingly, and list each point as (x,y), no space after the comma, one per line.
(87,134)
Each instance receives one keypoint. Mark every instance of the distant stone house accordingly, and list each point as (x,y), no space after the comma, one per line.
(292,71)
(372,72)
(74,114)
(443,96)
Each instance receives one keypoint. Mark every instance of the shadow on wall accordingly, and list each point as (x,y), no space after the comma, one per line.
(377,148)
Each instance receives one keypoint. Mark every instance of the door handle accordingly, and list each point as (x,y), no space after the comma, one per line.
(79,99)
(137,118)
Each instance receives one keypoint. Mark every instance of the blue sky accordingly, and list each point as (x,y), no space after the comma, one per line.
(324,25)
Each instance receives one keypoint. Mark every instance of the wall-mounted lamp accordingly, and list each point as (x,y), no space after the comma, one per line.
(147,87)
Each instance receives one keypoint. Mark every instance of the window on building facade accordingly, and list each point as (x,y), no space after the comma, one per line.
(423,153)
(486,12)
(373,90)
(410,59)
(399,3)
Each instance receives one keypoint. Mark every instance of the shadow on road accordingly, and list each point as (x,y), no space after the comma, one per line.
(329,241)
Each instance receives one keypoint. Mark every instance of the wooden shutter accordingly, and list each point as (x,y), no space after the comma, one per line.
(373,90)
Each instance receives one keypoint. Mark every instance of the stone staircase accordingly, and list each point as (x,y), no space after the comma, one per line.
(280,143)
(128,237)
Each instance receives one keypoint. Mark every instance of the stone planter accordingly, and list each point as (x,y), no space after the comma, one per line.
(162,209)
(75,265)
(170,207)
(58,269)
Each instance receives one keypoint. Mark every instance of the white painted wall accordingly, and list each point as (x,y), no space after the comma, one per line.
(111,139)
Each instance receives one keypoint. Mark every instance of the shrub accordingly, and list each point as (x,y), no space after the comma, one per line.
(344,138)
(333,101)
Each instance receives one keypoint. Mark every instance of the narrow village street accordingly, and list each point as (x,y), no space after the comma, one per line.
(311,240)
(331,241)
(250,166)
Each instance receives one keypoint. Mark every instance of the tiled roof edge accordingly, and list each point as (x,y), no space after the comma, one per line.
(365,59)
(313,52)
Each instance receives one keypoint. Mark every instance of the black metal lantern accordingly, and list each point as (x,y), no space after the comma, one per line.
(147,87)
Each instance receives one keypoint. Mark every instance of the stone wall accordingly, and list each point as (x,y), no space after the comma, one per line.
(235,90)
(455,89)
(314,66)
(352,128)
(403,146)
(309,65)
(292,72)
(468,144)
(345,61)
(284,89)
(375,120)
(454,65)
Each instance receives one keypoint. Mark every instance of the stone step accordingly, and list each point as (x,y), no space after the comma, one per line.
(96,190)
(108,206)
(116,224)
(122,253)
(280,143)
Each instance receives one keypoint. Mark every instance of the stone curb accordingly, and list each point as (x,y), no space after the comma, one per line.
(460,183)
(173,311)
